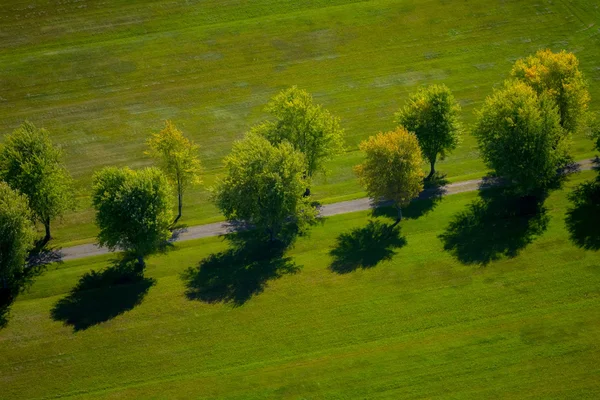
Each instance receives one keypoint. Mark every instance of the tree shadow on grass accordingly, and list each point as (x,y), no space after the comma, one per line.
(496,225)
(240,272)
(427,200)
(18,285)
(100,296)
(583,218)
(38,260)
(6,300)
(365,247)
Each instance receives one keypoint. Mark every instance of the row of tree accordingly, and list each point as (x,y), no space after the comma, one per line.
(523,131)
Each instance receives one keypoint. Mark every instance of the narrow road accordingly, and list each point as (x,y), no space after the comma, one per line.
(220,228)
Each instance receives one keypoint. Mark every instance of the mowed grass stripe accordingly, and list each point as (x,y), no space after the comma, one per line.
(418,325)
(211,67)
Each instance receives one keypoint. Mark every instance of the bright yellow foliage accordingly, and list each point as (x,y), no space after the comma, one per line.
(392,169)
(558,76)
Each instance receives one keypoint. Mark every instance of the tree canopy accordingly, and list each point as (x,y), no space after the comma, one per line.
(31,164)
(264,187)
(595,131)
(177,157)
(432,114)
(520,137)
(17,234)
(557,75)
(310,129)
(133,209)
(392,167)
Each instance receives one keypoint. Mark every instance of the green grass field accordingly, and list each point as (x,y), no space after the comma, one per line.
(512,312)
(101,76)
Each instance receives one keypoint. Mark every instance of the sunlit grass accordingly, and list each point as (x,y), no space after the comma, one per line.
(406,320)
(102,76)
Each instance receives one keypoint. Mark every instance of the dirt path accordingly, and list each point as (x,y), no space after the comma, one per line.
(343,207)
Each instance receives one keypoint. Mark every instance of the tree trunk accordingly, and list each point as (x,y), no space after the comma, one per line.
(307,191)
(47,227)
(180,204)
(399,216)
(432,171)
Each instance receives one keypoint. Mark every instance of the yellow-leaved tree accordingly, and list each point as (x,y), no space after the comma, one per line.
(392,168)
(178,158)
(557,76)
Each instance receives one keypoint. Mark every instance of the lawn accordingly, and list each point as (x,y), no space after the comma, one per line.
(455,304)
(101,76)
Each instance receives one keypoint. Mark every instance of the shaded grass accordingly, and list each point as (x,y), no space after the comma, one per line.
(496,225)
(421,324)
(365,247)
(583,217)
(37,261)
(102,77)
(100,296)
(240,272)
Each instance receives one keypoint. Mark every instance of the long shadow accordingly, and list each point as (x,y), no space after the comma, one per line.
(38,260)
(102,295)
(427,200)
(365,247)
(496,225)
(583,218)
(240,272)
(6,300)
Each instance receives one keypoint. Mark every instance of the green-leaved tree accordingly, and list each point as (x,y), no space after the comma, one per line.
(264,187)
(17,234)
(392,167)
(310,129)
(432,114)
(178,158)
(557,75)
(31,164)
(133,209)
(520,137)
(595,131)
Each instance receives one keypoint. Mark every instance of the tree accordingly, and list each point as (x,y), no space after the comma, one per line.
(30,164)
(307,126)
(264,187)
(392,168)
(520,137)
(595,131)
(178,158)
(432,114)
(17,234)
(133,209)
(558,76)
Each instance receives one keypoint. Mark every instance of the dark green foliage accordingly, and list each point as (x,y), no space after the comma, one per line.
(595,131)
(520,137)
(432,115)
(264,187)
(133,209)
(31,164)
(16,234)
(16,240)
